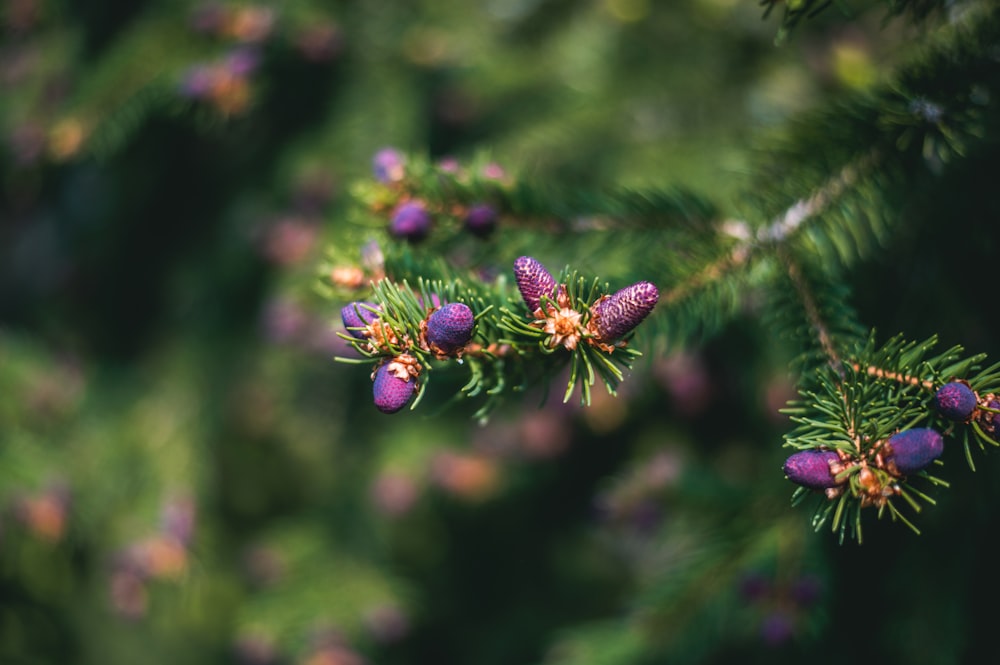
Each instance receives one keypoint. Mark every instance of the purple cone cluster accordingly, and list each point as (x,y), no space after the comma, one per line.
(450,327)
(411,219)
(914,449)
(955,401)
(811,468)
(612,317)
(447,330)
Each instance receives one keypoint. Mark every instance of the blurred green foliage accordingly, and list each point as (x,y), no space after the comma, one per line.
(186,476)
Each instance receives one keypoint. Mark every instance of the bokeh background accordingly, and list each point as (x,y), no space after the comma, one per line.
(186,476)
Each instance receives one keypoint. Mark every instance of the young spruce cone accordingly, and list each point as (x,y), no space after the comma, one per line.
(450,327)
(614,316)
(357,315)
(811,468)
(533,281)
(913,449)
(955,401)
(411,221)
(392,393)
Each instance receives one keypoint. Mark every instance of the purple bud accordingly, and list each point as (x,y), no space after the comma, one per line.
(411,221)
(197,81)
(451,326)
(811,468)
(357,315)
(387,164)
(618,314)
(777,628)
(955,401)
(242,62)
(913,449)
(481,220)
(533,281)
(392,393)
(806,590)
(754,586)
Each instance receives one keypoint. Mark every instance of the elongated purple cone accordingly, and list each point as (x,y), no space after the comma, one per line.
(955,401)
(392,393)
(410,220)
(356,315)
(811,468)
(533,281)
(914,449)
(618,314)
(451,327)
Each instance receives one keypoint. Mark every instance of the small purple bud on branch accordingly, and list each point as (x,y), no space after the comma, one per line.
(450,327)
(357,315)
(392,389)
(411,221)
(955,401)
(480,220)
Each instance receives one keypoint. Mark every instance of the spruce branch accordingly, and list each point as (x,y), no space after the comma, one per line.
(511,346)
(795,11)
(869,430)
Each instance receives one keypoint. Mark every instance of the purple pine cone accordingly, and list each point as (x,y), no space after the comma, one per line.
(533,281)
(913,449)
(618,314)
(450,327)
(411,221)
(955,401)
(481,220)
(387,165)
(811,468)
(392,393)
(356,315)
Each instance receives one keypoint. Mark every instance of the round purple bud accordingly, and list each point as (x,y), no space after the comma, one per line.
(481,220)
(392,393)
(410,220)
(913,449)
(533,281)
(955,401)
(450,327)
(388,165)
(777,628)
(242,62)
(357,315)
(811,468)
(197,81)
(618,314)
